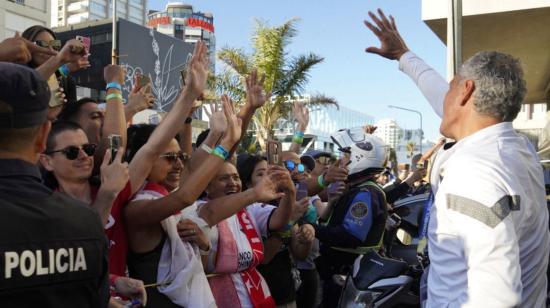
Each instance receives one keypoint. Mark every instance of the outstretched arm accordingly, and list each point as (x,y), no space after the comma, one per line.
(432,85)
(301,115)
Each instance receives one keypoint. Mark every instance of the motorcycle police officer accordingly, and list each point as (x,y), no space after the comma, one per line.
(53,250)
(356,221)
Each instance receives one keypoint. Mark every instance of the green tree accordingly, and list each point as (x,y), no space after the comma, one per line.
(285,76)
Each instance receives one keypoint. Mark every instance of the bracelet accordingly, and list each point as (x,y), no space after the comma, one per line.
(206,148)
(114,96)
(298,137)
(113,85)
(64,70)
(220,152)
(321,181)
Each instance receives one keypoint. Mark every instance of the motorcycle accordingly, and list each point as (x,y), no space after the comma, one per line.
(377,281)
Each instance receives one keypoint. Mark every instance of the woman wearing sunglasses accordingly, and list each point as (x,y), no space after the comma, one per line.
(45,37)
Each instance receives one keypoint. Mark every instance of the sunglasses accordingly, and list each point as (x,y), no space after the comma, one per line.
(54,44)
(71,152)
(290,166)
(325,160)
(172,157)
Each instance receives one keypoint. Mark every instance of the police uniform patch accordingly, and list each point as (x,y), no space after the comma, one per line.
(359,210)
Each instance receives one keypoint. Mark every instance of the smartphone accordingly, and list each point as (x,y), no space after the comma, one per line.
(144,80)
(274,153)
(55,101)
(86,41)
(301,191)
(115,142)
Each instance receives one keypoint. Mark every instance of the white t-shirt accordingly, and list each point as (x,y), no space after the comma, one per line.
(259,214)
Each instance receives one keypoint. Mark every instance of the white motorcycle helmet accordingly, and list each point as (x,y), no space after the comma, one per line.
(368,153)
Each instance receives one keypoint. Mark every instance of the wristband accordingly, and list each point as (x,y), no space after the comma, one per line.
(206,148)
(298,137)
(114,96)
(221,152)
(321,181)
(113,85)
(64,70)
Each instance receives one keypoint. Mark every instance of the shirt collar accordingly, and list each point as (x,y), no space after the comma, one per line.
(17,167)
(487,133)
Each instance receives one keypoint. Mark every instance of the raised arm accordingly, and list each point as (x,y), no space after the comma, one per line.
(141,164)
(191,186)
(301,115)
(432,85)
(281,216)
(219,209)
(73,51)
(255,98)
(19,50)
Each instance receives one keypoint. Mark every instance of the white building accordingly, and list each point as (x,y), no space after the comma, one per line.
(389,131)
(70,12)
(18,15)
(179,20)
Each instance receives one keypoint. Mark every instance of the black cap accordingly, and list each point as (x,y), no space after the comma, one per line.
(26,94)
(318,153)
(308,162)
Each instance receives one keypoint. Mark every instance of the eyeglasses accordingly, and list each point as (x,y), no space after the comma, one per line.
(290,166)
(172,157)
(54,44)
(71,152)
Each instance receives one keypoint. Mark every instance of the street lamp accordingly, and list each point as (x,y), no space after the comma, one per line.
(417,112)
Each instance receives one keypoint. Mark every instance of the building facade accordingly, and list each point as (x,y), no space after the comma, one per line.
(70,12)
(389,131)
(18,15)
(180,21)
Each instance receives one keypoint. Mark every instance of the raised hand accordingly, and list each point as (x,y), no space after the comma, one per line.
(301,115)
(266,190)
(141,100)
(369,129)
(336,172)
(216,119)
(114,73)
(114,176)
(233,133)
(255,94)
(19,50)
(197,70)
(80,64)
(392,44)
(299,209)
(282,177)
(73,51)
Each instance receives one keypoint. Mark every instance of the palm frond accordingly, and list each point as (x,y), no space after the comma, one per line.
(229,83)
(236,59)
(296,75)
(319,100)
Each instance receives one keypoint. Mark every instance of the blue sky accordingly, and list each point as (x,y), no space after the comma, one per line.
(335,31)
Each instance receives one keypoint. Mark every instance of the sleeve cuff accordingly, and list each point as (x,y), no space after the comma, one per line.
(404,60)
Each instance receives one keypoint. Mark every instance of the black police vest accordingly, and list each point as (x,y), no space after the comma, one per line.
(53,253)
(379,212)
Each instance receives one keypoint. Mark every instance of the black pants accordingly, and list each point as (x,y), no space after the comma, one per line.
(307,293)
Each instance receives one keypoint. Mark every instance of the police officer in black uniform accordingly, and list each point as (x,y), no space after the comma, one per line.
(53,248)
(356,221)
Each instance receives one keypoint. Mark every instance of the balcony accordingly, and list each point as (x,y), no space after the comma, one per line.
(78,7)
(77,18)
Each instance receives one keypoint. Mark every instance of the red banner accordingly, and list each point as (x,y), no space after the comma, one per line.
(165,20)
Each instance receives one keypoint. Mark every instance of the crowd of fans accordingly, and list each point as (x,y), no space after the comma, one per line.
(190,224)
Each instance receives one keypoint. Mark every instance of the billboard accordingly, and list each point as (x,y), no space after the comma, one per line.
(141,50)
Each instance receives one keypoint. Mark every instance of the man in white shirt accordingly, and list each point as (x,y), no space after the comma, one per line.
(488,238)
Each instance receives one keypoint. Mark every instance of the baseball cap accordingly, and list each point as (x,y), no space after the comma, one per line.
(308,162)
(26,95)
(318,153)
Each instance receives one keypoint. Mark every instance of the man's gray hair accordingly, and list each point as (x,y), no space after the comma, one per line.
(499,84)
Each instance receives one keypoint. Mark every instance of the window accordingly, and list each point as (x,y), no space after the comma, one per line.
(97,9)
(136,13)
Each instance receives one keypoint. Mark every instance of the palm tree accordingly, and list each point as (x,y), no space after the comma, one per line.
(285,77)
(410,149)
